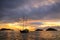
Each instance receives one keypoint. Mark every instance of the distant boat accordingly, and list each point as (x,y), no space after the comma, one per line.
(25,19)
(24,31)
(51,29)
(4,29)
(38,30)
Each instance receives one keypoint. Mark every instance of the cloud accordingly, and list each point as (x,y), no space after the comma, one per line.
(32,9)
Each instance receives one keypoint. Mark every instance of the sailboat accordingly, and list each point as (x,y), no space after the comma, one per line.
(24,22)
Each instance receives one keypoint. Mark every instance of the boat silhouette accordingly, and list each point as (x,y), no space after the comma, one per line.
(24,31)
(24,19)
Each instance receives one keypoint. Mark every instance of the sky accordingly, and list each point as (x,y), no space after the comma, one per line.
(32,9)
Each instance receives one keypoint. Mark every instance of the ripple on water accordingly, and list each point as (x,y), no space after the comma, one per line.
(42,35)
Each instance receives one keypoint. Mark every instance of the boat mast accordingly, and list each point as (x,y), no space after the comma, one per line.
(24,20)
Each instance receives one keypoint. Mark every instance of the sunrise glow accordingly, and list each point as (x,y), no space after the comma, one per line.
(20,26)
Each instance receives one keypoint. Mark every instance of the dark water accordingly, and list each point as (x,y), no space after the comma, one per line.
(42,35)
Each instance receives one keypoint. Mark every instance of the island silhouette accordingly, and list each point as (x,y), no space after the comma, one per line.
(38,30)
(51,29)
(5,29)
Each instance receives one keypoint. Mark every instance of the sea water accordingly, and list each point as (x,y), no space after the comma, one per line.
(37,35)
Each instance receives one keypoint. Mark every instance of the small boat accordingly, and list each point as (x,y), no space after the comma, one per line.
(24,31)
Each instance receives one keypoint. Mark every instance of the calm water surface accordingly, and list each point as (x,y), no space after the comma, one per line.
(42,35)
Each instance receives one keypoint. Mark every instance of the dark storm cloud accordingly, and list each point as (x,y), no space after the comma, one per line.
(54,12)
(7,6)
(51,12)
(33,9)
(11,3)
(47,12)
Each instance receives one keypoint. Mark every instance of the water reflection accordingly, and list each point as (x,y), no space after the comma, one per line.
(10,35)
(42,35)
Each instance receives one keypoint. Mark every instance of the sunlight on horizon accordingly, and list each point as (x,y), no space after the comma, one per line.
(20,26)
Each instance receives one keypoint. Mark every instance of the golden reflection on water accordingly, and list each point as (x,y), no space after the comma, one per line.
(42,35)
